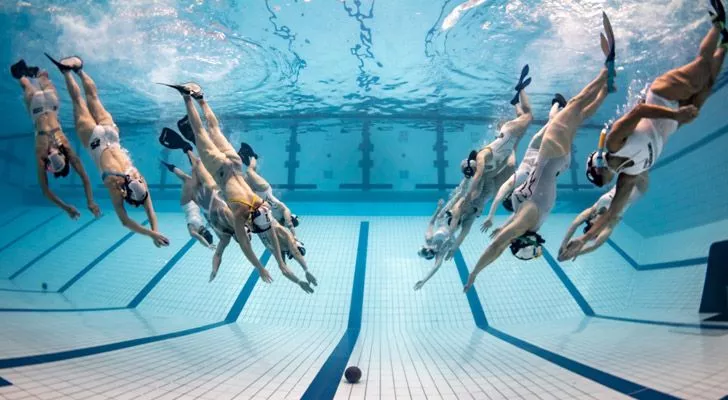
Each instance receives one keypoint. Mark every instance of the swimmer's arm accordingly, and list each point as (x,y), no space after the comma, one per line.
(599,241)
(276,250)
(625,126)
(583,216)
(128,223)
(151,215)
(194,234)
(438,263)
(625,184)
(217,257)
(287,217)
(81,171)
(505,188)
(47,192)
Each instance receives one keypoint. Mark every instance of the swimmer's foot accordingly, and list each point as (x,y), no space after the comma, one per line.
(20,69)
(188,89)
(609,48)
(173,141)
(73,63)
(185,128)
(246,152)
(559,98)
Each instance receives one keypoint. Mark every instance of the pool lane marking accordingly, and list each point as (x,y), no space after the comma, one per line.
(33,229)
(162,272)
(611,381)
(656,266)
(327,380)
(11,219)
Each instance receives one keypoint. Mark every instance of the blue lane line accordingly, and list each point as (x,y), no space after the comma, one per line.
(33,229)
(50,249)
(477,309)
(613,382)
(158,277)
(327,380)
(3,382)
(663,265)
(580,300)
(664,323)
(247,290)
(14,218)
(98,260)
(88,351)
(26,291)
(53,310)
(691,148)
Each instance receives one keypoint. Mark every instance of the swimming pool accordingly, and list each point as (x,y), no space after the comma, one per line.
(361,113)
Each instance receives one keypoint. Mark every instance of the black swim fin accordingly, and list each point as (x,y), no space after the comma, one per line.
(63,67)
(173,141)
(559,98)
(187,89)
(19,69)
(246,152)
(517,98)
(167,165)
(186,129)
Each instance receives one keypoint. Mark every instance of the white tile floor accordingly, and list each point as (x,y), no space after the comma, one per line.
(412,344)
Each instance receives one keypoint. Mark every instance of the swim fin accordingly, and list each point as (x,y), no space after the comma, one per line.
(71,65)
(173,141)
(524,73)
(186,129)
(187,89)
(19,69)
(246,152)
(719,16)
(611,55)
(559,98)
(169,166)
(519,88)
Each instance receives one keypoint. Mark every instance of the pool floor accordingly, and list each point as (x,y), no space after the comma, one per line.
(119,318)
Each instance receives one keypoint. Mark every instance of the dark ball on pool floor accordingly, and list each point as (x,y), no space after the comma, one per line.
(352,374)
(44,286)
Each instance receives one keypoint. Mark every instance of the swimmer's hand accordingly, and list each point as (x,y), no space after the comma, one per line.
(495,232)
(471,281)
(305,286)
(449,254)
(212,247)
(487,224)
(265,275)
(94,208)
(572,249)
(159,239)
(687,114)
(311,279)
(72,212)
(419,285)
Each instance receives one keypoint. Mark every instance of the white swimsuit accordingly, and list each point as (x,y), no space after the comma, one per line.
(501,148)
(605,201)
(102,138)
(540,187)
(275,208)
(645,144)
(193,215)
(43,102)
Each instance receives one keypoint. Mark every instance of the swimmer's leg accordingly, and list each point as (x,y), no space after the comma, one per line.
(85,122)
(296,253)
(575,107)
(211,157)
(99,113)
(213,127)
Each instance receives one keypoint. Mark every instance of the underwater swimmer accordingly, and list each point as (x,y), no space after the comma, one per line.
(53,152)
(438,241)
(98,132)
(535,198)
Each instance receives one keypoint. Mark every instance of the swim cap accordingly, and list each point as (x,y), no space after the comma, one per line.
(528,246)
(261,220)
(56,162)
(136,191)
(594,173)
(469,164)
(294,220)
(206,234)
(426,253)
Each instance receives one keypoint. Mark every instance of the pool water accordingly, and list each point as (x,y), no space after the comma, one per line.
(361,112)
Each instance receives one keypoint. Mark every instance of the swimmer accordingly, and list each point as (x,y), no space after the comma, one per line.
(290,247)
(438,241)
(262,188)
(524,168)
(53,152)
(98,132)
(225,166)
(491,166)
(535,198)
(599,208)
(636,140)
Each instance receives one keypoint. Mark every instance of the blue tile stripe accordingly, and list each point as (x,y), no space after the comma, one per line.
(327,380)
(580,300)
(655,266)
(691,148)
(664,323)
(11,219)
(164,271)
(235,311)
(98,259)
(50,249)
(30,231)
(613,382)
(3,382)
(473,300)
(61,310)
(247,291)
(89,351)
